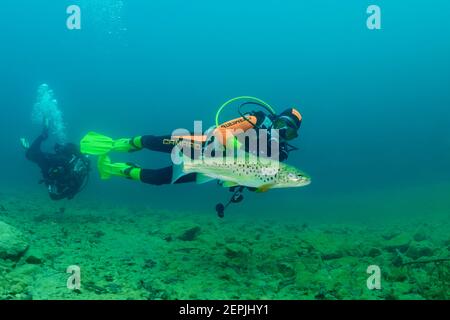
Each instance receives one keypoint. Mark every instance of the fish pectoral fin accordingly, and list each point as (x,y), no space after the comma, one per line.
(203,178)
(265,187)
(229,184)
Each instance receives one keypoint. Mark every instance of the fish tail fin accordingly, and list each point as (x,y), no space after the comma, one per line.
(181,167)
(178,170)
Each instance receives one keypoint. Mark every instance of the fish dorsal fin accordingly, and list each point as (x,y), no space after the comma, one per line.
(265,188)
(203,178)
(229,184)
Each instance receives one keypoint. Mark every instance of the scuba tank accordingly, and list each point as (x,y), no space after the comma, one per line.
(70,178)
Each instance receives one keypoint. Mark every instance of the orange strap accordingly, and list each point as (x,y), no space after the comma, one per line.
(224,131)
(227,129)
(192,138)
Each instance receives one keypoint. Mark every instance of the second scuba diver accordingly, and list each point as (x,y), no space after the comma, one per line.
(286,123)
(65,172)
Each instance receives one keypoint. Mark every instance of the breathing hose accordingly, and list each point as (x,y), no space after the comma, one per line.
(262,103)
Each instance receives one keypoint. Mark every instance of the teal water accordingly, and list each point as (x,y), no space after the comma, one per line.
(375,103)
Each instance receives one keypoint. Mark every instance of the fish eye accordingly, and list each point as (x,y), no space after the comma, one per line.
(293,176)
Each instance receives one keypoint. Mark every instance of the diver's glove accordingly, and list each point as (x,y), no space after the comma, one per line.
(283,155)
(284,151)
(25,143)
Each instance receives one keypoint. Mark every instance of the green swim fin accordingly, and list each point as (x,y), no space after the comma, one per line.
(97,144)
(107,169)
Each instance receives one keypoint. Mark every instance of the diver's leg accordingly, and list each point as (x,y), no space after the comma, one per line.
(163,176)
(97,144)
(193,144)
(158,143)
(108,169)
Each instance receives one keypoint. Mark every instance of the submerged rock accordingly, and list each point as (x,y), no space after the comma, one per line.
(399,242)
(333,253)
(34,257)
(388,235)
(420,249)
(236,251)
(374,252)
(180,230)
(190,234)
(420,235)
(12,242)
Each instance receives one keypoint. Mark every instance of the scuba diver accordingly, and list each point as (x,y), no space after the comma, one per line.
(65,172)
(286,123)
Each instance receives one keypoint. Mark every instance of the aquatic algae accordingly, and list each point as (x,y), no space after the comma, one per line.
(46,109)
(12,242)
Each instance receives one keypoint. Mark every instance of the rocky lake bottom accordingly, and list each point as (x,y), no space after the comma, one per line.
(144,253)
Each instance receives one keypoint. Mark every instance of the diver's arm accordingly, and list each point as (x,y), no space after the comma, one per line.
(34,152)
(36,145)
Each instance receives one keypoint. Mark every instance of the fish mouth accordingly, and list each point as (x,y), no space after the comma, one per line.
(304,181)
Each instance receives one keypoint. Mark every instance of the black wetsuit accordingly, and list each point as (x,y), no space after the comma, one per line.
(166,144)
(164,175)
(58,169)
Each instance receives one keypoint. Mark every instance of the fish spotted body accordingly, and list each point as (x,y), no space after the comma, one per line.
(249,171)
